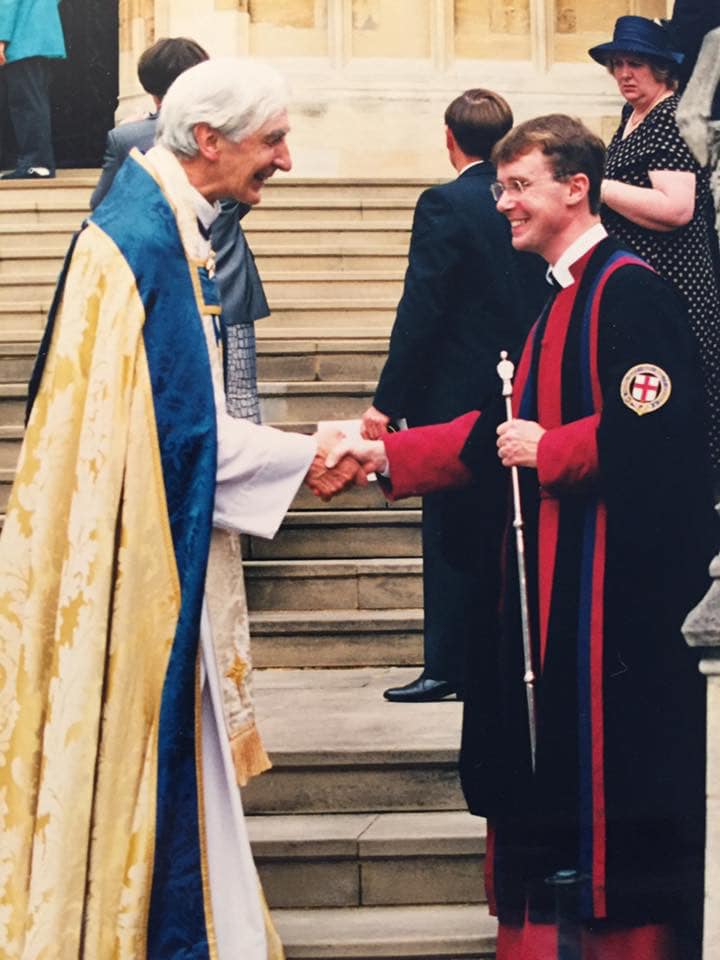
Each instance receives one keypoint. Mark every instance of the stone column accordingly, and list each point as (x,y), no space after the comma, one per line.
(702,630)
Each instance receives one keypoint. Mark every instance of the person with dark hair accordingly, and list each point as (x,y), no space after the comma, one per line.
(241,289)
(656,196)
(595,784)
(157,67)
(166,59)
(467,296)
(31,35)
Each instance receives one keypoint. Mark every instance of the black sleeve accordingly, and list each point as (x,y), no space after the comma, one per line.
(113,159)
(652,456)
(435,251)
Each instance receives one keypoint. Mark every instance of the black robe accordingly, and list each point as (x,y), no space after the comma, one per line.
(620,529)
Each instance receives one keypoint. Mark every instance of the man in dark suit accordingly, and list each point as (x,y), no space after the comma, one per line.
(241,291)
(467,296)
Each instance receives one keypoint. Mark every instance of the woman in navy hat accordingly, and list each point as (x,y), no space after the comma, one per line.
(655,192)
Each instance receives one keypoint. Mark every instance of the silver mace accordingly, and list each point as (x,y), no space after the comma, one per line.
(505,370)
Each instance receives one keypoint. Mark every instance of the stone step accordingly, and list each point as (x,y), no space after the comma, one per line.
(17,358)
(323,256)
(440,932)
(25,194)
(326,317)
(372,584)
(23,319)
(295,258)
(19,233)
(31,261)
(353,860)
(324,360)
(314,400)
(279,285)
(84,181)
(357,498)
(286,360)
(342,534)
(333,284)
(23,239)
(338,747)
(58,207)
(328,231)
(336,638)
(279,401)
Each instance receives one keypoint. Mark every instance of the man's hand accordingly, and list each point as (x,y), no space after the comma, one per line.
(518,442)
(3,59)
(370,454)
(374,424)
(326,482)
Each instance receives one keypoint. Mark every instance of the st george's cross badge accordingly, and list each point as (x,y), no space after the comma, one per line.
(645,388)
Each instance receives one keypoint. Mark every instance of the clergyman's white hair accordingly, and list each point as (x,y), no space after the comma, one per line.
(233,96)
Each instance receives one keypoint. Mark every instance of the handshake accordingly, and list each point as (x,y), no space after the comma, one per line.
(341,462)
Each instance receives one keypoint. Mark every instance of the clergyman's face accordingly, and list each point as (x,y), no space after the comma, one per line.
(245,166)
(532,202)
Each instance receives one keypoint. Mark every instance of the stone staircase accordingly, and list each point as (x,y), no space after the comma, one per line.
(359,830)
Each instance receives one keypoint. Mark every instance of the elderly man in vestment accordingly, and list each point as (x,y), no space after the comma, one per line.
(125,719)
(608,437)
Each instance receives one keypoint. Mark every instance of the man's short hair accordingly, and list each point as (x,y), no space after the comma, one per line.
(165,60)
(233,96)
(567,143)
(478,119)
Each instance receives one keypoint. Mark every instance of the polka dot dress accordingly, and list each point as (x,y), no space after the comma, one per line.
(683,256)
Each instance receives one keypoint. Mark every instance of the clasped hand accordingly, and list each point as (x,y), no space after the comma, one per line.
(330,475)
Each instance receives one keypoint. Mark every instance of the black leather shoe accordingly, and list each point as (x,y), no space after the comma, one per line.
(422,690)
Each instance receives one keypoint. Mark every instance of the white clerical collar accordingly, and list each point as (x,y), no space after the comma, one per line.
(473,163)
(578,248)
(205,211)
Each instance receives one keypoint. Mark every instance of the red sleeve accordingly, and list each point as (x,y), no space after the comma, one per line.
(568,455)
(427,459)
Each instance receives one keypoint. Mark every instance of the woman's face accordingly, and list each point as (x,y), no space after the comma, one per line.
(635,79)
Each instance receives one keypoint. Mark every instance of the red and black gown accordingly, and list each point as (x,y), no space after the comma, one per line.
(619,531)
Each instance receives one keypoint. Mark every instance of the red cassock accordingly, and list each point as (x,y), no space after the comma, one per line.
(619,531)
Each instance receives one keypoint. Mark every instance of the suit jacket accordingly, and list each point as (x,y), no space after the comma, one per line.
(241,290)
(31,28)
(467,296)
(691,20)
(119,143)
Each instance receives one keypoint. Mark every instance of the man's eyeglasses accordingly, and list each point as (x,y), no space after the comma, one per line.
(514,187)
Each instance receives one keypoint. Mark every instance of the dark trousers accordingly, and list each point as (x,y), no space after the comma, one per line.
(455,595)
(28,101)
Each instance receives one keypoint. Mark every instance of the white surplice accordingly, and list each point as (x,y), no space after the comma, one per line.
(259,470)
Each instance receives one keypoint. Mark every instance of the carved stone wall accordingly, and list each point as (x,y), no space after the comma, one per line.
(371,78)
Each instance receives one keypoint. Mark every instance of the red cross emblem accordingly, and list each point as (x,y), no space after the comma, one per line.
(645,388)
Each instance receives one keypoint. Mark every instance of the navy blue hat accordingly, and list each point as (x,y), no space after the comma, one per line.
(637,35)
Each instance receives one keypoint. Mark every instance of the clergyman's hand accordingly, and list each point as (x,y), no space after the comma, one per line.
(518,442)
(374,424)
(370,454)
(3,58)
(326,482)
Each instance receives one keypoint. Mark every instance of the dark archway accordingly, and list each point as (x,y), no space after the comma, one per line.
(85,86)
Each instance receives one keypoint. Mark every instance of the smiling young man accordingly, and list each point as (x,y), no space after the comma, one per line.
(127,721)
(619,526)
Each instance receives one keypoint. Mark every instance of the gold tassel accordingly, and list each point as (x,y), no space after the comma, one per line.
(249,756)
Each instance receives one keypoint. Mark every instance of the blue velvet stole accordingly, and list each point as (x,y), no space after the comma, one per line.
(137,217)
